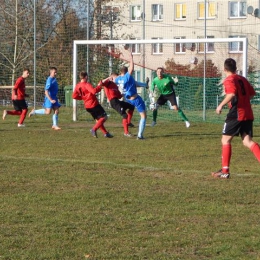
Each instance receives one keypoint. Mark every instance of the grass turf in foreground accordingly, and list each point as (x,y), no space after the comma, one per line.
(125,199)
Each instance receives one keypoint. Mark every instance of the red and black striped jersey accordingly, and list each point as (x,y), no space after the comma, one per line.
(240,105)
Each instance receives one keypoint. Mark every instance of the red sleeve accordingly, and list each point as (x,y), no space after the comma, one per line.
(77,93)
(93,90)
(111,90)
(230,87)
(17,85)
(251,90)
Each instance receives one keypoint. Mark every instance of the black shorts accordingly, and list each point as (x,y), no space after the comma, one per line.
(19,105)
(164,98)
(97,112)
(233,127)
(121,106)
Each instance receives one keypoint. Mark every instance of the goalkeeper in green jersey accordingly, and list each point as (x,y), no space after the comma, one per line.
(165,85)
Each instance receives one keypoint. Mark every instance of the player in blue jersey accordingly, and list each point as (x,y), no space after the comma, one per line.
(51,101)
(128,85)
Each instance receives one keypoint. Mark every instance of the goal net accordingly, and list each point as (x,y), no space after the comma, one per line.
(197,63)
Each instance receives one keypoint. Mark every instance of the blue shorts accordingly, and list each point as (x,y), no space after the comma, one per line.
(47,103)
(138,103)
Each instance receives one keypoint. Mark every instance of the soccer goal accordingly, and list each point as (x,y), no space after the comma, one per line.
(197,63)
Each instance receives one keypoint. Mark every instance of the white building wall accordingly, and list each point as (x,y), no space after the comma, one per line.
(219,26)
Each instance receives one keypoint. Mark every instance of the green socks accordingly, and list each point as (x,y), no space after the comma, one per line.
(181,114)
(154,115)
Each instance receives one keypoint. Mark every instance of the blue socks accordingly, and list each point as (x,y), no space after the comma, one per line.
(55,120)
(39,112)
(142,124)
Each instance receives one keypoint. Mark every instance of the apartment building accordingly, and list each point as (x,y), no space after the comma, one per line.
(169,19)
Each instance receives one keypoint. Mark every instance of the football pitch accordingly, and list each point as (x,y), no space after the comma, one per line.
(66,195)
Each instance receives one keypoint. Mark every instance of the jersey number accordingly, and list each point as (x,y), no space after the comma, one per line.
(242,87)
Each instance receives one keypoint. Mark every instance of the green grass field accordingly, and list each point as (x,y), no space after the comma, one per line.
(66,195)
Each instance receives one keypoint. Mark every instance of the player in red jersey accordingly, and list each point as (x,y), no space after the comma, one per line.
(86,92)
(18,98)
(125,109)
(239,120)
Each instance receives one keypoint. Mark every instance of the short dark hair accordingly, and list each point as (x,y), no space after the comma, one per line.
(114,73)
(83,74)
(53,68)
(124,69)
(160,68)
(26,69)
(230,65)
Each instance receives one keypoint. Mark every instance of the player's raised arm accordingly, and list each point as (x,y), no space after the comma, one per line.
(131,63)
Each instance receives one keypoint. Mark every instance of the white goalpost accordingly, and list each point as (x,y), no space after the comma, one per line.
(182,53)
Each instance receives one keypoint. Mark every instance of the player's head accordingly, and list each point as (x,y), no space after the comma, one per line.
(83,75)
(230,65)
(53,71)
(159,72)
(26,73)
(114,75)
(123,70)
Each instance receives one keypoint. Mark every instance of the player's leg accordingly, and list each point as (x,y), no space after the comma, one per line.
(140,106)
(120,108)
(142,124)
(226,157)
(255,149)
(155,114)
(55,118)
(16,112)
(24,109)
(43,111)
(247,135)
(100,125)
(173,101)
(231,128)
(130,111)
(99,114)
(127,111)
(37,112)
(22,116)
(125,124)
(154,107)
(11,113)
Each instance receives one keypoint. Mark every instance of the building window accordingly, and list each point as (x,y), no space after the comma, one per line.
(179,47)
(157,48)
(236,47)
(209,45)
(135,13)
(157,12)
(210,10)
(237,9)
(137,75)
(180,11)
(135,48)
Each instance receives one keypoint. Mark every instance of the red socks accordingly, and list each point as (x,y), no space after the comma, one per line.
(125,122)
(226,156)
(14,113)
(23,115)
(100,124)
(129,116)
(255,149)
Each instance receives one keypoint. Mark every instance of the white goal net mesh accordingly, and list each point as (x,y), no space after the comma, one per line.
(197,63)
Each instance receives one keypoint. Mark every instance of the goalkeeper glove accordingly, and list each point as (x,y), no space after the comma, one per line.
(175,79)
